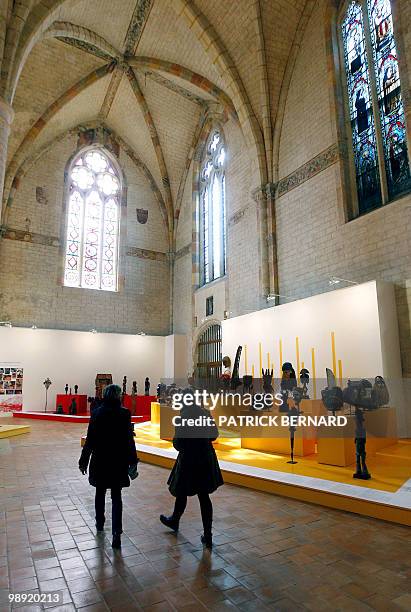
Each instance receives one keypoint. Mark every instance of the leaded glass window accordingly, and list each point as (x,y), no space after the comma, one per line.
(390,101)
(375,104)
(212,210)
(91,256)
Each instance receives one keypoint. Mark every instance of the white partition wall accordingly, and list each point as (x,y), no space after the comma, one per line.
(353,331)
(76,357)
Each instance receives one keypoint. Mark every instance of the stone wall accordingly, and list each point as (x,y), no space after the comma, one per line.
(31,292)
(239,291)
(314,240)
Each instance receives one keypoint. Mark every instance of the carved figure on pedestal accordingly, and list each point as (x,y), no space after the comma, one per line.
(46,384)
(235,378)
(360,442)
(304,380)
(288,383)
(102,381)
(248,383)
(364,396)
(267,376)
(147,385)
(226,375)
(73,407)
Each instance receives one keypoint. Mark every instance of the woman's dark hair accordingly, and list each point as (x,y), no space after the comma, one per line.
(112,393)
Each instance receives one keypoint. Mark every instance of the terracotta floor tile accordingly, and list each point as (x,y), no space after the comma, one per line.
(270,553)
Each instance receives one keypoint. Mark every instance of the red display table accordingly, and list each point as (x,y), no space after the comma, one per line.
(139,405)
(65,402)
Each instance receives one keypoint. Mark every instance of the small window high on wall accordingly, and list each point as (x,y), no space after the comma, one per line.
(212,215)
(376,108)
(93,212)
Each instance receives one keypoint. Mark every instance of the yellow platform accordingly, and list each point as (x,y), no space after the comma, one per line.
(389,472)
(390,469)
(8,431)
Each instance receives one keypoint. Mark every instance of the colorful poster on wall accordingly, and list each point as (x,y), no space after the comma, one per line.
(11,388)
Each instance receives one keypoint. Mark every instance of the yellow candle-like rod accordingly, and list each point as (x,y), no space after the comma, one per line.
(268,360)
(281,353)
(333,353)
(313,373)
(297,351)
(260,354)
(252,370)
(245,359)
(302,365)
(340,376)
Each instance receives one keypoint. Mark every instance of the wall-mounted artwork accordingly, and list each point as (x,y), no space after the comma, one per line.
(11,388)
(142,215)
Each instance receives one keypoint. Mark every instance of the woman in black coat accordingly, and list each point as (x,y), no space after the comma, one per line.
(196,470)
(110,444)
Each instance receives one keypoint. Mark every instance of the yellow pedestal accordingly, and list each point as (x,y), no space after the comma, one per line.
(8,431)
(313,407)
(336,445)
(155,413)
(304,441)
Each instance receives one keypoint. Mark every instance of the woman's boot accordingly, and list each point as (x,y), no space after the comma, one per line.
(170,521)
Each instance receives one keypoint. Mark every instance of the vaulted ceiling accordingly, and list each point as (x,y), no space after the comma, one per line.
(148,69)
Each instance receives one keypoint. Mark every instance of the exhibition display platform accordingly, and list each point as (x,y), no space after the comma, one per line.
(8,431)
(64,401)
(387,495)
(66,418)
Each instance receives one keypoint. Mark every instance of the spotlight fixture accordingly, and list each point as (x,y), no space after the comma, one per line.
(336,280)
(272,296)
(34,327)
(93,331)
(141,333)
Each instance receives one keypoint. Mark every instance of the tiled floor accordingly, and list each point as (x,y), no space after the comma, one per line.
(270,553)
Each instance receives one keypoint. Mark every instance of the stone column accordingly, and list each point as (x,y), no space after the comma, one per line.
(260,198)
(270,190)
(264,197)
(6,118)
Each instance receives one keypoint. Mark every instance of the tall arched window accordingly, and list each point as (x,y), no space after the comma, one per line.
(375,103)
(212,210)
(91,256)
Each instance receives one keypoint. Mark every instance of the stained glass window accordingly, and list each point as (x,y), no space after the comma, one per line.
(92,223)
(361,112)
(212,210)
(390,101)
(377,120)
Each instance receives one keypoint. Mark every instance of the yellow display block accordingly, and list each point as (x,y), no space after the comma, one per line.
(8,431)
(313,407)
(390,468)
(304,442)
(336,446)
(155,413)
